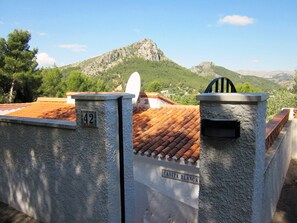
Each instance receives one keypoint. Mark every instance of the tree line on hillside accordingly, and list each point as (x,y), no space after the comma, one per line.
(22,81)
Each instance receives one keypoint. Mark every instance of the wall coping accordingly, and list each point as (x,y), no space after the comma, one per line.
(101,96)
(272,152)
(233,97)
(49,123)
(51,99)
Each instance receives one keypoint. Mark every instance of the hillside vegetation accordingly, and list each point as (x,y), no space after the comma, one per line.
(170,75)
(256,82)
(173,77)
(174,81)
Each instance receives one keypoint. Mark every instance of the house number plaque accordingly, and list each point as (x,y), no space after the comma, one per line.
(89,118)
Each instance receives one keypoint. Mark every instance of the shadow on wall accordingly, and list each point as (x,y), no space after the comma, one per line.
(226,168)
(49,174)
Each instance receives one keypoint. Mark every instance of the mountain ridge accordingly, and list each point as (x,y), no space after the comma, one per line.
(209,69)
(114,68)
(145,48)
(285,78)
(264,73)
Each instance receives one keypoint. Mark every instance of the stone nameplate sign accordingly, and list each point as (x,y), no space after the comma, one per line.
(89,118)
(174,175)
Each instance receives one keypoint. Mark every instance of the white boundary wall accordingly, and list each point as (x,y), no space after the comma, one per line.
(277,163)
(60,171)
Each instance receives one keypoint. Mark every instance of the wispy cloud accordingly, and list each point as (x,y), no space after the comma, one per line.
(44,60)
(41,34)
(1,22)
(73,47)
(236,20)
(255,61)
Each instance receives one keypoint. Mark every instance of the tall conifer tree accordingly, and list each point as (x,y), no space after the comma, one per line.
(18,63)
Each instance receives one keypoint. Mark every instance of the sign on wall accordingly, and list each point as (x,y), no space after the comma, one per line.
(174,175)
(89,118)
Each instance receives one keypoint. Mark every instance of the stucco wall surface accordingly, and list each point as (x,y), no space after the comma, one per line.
(162,197)
(277,163)
(231,170)
(47,173)
(65,174)
(156,207)
(294,138)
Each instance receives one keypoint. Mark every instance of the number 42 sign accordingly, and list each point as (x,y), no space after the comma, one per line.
(89,118)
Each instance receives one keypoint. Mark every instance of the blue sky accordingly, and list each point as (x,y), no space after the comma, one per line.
(236,34)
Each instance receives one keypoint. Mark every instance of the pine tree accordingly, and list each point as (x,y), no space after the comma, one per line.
(17,62)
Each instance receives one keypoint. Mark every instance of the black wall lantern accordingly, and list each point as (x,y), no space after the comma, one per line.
(220,128)
(222,85)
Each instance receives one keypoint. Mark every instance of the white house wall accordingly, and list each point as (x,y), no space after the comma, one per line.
(160,199)
(155,207)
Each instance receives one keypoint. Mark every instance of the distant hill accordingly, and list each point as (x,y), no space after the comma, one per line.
(210,70)
(114,68)
(281,77)
(265,74)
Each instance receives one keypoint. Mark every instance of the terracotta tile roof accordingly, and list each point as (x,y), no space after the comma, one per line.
(7,108)
(171,132)
(49,110)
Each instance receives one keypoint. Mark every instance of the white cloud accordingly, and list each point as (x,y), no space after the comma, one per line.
(256,61)
(236,20)
(41,34)
(44,60)
(73,47)
(1,22)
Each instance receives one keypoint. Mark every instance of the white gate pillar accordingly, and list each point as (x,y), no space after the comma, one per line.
(232,156)
(107,118)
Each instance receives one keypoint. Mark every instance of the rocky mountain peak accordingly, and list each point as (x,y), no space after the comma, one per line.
(148,50)
(145,49)
(204,69)
(206,64)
